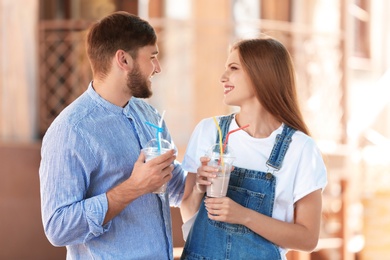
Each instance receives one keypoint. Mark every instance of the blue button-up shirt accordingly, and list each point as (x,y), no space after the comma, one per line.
(90,148)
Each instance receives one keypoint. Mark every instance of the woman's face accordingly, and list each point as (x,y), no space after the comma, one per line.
(238,89)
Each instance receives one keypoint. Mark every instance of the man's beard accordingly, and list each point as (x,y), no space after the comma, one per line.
(138,85)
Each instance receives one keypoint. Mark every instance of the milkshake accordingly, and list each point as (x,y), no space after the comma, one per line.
(219,184)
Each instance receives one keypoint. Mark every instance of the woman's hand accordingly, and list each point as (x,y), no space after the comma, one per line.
(202,174)
(196,186)
(224,209)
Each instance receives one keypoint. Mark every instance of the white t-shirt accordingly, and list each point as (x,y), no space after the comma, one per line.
(303,170)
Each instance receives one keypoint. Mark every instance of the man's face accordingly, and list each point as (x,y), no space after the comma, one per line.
(145,66)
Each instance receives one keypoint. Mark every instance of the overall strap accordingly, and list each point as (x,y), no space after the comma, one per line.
(279,150)
(281,145)
(224,123)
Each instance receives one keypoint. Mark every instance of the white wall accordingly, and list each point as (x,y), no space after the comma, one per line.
(18,69)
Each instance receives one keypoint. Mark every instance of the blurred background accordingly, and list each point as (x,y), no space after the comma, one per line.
(341,54)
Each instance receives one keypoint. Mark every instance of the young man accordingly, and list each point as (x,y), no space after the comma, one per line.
(96,189)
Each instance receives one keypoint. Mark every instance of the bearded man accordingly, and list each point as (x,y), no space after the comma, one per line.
(96,188)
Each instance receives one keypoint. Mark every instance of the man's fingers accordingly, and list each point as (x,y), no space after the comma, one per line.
(165,159)
(141,157)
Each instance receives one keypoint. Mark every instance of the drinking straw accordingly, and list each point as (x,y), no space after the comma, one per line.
(158,135)
(161,119)
(220,140)
(230,132)
(159,131)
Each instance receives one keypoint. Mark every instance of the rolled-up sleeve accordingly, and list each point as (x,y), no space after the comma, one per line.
(176,185)
(66,163)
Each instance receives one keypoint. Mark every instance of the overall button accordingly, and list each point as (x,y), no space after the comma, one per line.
(268,176)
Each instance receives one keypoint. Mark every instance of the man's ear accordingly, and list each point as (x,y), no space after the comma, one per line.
(124,60)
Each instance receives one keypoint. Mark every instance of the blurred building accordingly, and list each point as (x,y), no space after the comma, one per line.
(341,55)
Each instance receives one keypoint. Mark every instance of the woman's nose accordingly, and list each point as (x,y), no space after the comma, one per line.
(223,77)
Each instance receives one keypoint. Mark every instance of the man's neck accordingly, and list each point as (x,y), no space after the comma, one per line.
(112,91)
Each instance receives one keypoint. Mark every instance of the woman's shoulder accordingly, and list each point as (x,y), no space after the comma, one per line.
(301,137)
(207,127)
(304,142)
(211,121)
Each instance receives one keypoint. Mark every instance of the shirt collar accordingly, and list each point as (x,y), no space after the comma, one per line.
(104,103)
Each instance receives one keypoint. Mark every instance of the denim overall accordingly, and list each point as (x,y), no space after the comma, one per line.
(212,240)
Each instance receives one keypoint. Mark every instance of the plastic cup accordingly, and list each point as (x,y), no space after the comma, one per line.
(219,184)
(151,151)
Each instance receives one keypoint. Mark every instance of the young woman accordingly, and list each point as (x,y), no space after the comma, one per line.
(274,198)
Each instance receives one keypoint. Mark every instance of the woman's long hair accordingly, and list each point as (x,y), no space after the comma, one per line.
(270,68)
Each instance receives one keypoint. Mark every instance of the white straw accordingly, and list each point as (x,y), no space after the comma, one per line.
(161,120)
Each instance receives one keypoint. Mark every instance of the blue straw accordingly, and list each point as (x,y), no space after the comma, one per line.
(158,135)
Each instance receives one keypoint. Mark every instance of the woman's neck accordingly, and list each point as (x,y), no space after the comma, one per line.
(261,124)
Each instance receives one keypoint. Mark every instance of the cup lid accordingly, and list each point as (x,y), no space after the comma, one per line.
(154,143)
(215,150)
